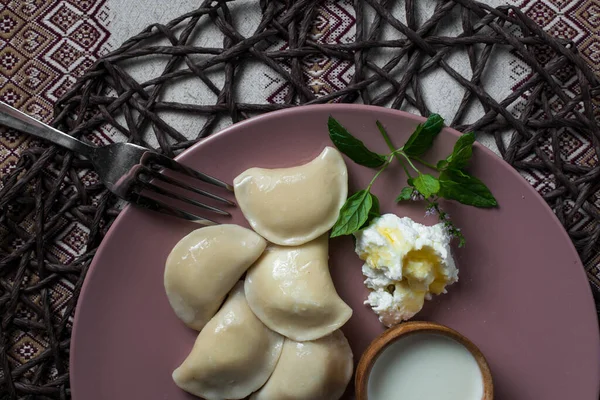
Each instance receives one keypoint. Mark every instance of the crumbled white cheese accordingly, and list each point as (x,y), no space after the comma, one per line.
(398,306)
(405,262)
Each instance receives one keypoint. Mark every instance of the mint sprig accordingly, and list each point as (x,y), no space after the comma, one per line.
(422,138)
(405,194)
(427,185)
(461,155)
(453,182)
(464,188)
(352,147)
(354,213)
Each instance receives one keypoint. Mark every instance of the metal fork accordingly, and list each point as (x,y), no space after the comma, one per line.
(127,169)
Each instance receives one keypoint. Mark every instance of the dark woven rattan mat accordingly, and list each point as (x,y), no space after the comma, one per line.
(47,186)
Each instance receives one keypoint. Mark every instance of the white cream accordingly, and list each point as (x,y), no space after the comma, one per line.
(405,263)
(425,366)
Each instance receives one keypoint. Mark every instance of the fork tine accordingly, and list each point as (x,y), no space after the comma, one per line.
(155,205)
(183,185)
(193,202)
(174,165)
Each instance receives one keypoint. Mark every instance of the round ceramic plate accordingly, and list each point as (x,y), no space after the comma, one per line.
(523,297)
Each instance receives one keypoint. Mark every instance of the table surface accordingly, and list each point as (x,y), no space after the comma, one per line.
(46,44)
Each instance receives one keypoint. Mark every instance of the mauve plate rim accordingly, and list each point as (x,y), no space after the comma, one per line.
(240,126)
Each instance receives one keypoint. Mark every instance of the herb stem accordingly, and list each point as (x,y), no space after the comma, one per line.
(390,145)
(406,171)
(409,162)
(425,163)
(387,163)
(386,137)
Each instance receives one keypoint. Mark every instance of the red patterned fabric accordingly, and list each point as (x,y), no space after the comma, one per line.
(579,22)
(44,46)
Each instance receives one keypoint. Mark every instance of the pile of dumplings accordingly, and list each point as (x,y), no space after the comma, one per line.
(274,335)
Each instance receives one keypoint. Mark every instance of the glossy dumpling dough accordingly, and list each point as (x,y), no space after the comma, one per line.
(233,356)
(204,266)
(291,291)
(315,370)
(291,206)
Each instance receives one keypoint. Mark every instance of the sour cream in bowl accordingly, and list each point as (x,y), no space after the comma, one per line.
(423,361)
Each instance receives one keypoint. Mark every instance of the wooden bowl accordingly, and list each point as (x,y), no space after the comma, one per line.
(410,328)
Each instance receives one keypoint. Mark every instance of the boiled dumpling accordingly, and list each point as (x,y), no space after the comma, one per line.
(291,291)
(292,206)
(233,356)
(204,266)
(316,370)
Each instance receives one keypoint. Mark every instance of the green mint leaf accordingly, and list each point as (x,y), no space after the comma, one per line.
(463,149)
(442,164)
(466,189)
(427,185)
(410,181)
(373,212)
(352,147)
(405,194)
(353,214)
(422,138)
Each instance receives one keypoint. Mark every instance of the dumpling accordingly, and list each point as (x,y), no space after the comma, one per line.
(316,370)
(233,356)
(292,206)
(204,266)
(291,291)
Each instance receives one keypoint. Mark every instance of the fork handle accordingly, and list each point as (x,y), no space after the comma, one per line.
(13,118)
